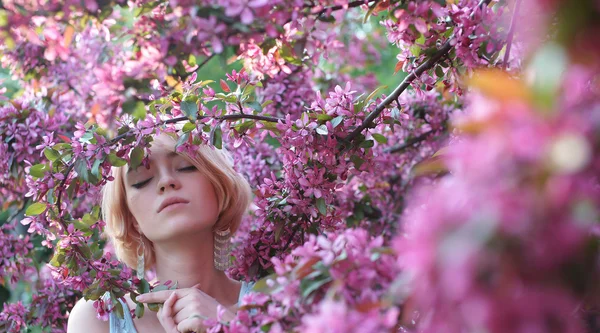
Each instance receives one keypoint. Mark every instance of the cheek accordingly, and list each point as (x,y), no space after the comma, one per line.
(206,194)
(138,206)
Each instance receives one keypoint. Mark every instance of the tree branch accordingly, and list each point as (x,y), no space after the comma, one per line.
(443,51)
(400,89)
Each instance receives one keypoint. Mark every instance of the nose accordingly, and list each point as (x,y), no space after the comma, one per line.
(167,180)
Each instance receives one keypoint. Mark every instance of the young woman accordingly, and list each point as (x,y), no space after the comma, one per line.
(174,216)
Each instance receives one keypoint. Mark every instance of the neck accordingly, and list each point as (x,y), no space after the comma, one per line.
(189,261)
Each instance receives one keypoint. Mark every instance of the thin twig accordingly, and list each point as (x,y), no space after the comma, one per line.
(408,143)
(338,7)
(296,228)
(205,61)
(511,33)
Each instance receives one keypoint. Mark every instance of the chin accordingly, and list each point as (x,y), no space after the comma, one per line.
(184,226)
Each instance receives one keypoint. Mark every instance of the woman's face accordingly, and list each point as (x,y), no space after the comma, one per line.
(171,197)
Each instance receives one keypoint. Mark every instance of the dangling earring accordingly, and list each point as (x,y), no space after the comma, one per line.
(141,264)
(222,249)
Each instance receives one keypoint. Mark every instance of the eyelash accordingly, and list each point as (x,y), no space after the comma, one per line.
(143,183)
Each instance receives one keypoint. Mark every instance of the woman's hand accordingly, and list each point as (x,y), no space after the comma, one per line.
(184,310)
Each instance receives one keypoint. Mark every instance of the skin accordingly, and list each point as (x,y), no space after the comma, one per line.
(183,242)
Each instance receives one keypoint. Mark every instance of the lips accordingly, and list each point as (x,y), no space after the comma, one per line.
(171,201)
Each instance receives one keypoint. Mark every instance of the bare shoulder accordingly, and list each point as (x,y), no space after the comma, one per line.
(83,319)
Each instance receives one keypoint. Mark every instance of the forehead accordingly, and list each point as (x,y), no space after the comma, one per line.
(163,147)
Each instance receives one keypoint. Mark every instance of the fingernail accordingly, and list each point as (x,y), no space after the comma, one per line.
(140,298)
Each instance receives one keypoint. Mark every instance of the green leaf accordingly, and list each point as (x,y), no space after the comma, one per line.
(139,113)
(308,286)
(38,170)
(262,286)
(88,220)
(278,230)
(51,154)
(192,60)
(322,206)
(96,167)
(135,158)
(80,226)
(160,288)
(139,311)
(35,209)
(380,138)
(115,160)
(183,138)
(190,109)
(328,19)
(216,137)
(268,44)
(153,307)
(256,106)
(57,259)
(273,142)
(367,144)
(322,117)
(82,170)
(242,127)
(369,12)
(357,161)
(415,50)
(322,130)
(287,53)
(439,71)
(248,89)
(144,286)
(86,251)
(267,102)
(135,108)
(188,127)
(118,308)
(375,92)
(336,121)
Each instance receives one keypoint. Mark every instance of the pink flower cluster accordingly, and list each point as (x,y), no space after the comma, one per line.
(474,28)
(14,250)
(46,308)
(346,273)
(509,238)
(375,200)
(21,145)
(311,173)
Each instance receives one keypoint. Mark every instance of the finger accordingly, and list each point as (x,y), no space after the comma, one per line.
(168,306)
(193,323)
(165,315)
(194,302)
(158,296)
(155,297)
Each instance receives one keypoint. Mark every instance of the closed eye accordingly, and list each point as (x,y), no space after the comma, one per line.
(190,168)
(141,184)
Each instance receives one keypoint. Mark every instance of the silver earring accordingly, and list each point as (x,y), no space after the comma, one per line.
(141,264)
(222,249)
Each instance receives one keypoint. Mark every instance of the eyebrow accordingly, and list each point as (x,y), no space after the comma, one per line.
(171,154)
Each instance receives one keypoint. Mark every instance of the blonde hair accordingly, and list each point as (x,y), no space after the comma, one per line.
(231,189)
